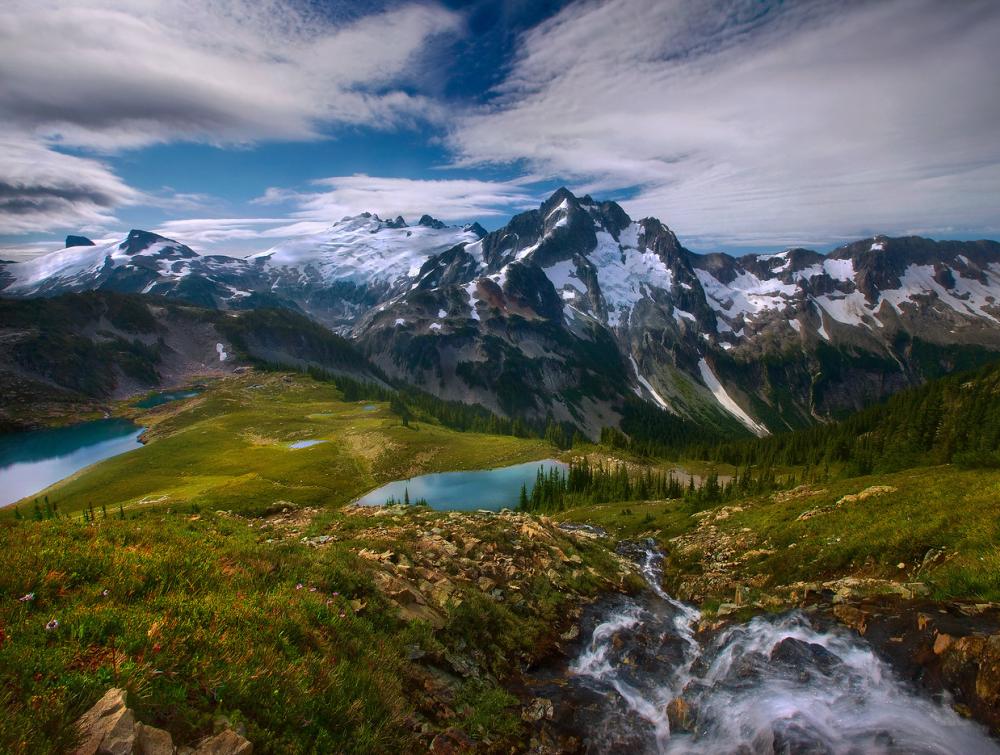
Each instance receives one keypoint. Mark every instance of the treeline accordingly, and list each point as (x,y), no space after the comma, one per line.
(955,419)
(584,483)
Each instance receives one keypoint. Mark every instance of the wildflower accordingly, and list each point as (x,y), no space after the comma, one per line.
(27,598)
(52,625)
(342,614)
(335,594)
(298,586)
(312,589)
(329,601)
(105,593)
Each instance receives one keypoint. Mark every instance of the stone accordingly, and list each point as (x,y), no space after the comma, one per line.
(226,743)
(679,714)
(727,608)
(538,709)
(451,742)
(988,676)
(99,720)
(942,642)
(852,617)
(119,739)
(152,741)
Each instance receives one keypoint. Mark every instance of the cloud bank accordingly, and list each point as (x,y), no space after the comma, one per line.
(329,199)
(743,124)
(119,74)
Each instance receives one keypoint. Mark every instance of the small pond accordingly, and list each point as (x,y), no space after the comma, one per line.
(464,491)
(305,443)
(164,397)
(31,461)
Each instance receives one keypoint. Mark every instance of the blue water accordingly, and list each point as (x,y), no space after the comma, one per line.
(305,443)
(465,491)
(31,461)
(164,397)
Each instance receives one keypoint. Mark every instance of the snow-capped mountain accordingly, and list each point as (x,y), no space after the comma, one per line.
(361,250)
(338,274)
(576,311)
(768,341)
(334,275)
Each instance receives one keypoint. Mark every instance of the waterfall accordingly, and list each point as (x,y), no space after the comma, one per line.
(775,684)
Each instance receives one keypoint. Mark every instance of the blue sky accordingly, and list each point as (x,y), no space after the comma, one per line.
(743,125)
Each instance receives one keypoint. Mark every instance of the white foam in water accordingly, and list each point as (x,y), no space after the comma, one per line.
(824,691)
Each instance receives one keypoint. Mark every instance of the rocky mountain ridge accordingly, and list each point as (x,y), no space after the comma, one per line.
(574,311)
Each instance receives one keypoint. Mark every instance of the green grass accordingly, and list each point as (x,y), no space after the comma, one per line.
(203,617)
(229,449)
(932,508)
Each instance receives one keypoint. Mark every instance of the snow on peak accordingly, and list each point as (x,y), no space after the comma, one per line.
(78,266)
(363,248)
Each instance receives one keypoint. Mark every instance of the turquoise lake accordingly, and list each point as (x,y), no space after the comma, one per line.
(31,461)
(465,491)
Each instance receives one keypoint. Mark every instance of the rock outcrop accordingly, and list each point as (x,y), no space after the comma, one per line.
(111,728)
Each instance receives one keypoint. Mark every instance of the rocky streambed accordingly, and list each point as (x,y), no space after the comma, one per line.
(642,678)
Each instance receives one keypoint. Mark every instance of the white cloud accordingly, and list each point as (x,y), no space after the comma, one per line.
(112,74)
(118,74)
(732,123)
(449,200)
(446,199)
(42,189)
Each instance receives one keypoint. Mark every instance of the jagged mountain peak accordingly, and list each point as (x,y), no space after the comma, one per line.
(73,240)
(430,222)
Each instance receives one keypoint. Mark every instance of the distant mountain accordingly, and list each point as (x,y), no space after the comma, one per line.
(69,353)
(578,313)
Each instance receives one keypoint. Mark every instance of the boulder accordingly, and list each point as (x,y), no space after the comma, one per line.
(111,728)
(227,742)
(97,722)
(539,708)
(152,741)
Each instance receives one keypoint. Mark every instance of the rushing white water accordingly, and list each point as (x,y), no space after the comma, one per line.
(776,684)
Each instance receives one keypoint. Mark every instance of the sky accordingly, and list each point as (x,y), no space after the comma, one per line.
(230,125)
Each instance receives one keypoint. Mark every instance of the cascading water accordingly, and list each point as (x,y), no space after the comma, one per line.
(776,684)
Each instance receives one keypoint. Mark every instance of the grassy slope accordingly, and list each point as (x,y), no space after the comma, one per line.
(932,507)
(228,449)
(203,617)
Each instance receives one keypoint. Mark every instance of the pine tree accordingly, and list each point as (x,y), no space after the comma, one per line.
(406,496)
(523,503)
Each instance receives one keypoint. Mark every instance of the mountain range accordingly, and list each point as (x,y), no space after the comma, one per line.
(577,313)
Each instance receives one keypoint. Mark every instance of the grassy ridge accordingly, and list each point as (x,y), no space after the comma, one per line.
(946,512)
(229,449)
(208,615)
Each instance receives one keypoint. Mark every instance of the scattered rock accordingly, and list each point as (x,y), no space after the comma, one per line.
(867,493)
(942,642)
(539,708)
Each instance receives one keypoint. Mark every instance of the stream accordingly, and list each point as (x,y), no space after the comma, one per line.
(775,684)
